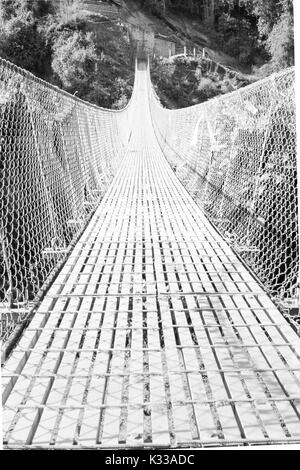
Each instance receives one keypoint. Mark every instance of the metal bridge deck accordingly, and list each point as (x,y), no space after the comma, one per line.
(154,333)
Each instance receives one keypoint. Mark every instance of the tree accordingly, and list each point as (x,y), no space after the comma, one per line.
(23,43)
(258,26)
(157,7)
(269,12)
(38,8)
(280,43)
(12,8)
(8,9)
(276,27)
(69,9)
(75,61)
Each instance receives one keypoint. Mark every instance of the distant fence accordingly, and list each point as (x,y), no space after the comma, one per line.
(169,49)
(212,65)
(163,47)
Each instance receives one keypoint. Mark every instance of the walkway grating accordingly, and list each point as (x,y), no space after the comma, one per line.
(154,333)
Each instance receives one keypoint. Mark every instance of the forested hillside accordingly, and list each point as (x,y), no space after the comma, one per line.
(91,55)
(58,42)
(242,28)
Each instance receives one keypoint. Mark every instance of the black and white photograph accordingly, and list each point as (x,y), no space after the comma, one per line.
(149,227)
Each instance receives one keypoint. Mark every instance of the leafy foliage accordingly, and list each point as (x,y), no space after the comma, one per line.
(262,27)
(245,29)
(70,10)
(59,46)
(55,44)
(13,8)
(22,42)
(237,37)
(280,43)
(186,81)
(75,60)
(8,9)
(39,8)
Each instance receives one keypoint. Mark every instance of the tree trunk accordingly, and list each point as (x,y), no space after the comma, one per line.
(209,11)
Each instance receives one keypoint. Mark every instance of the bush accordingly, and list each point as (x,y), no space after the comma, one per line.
(207,89)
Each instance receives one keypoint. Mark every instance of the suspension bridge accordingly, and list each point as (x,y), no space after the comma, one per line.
(148,258)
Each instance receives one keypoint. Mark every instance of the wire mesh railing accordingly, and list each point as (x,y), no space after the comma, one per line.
(58,156)
(236,154)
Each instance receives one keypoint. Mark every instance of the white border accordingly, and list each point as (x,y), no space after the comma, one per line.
(297,58)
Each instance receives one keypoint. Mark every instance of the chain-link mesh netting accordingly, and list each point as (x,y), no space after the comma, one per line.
(58,155)
(236,155)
